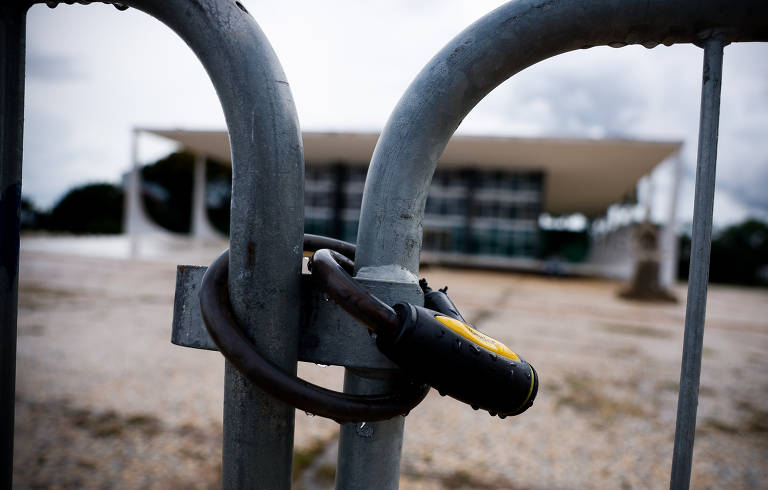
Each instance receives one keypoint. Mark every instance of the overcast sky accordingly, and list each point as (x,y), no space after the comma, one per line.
(93,73)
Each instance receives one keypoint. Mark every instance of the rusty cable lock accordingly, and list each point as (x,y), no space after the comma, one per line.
(433,345)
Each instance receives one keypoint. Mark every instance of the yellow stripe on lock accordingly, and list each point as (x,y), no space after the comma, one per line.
(476,337)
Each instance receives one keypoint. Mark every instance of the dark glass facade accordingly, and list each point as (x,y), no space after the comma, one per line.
(469,211)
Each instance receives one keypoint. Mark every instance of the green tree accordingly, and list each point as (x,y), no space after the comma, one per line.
(91,208)
(571,246)
(31,217)
(167,192)
(739,254)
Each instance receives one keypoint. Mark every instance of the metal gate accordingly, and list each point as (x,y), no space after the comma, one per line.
(264,280)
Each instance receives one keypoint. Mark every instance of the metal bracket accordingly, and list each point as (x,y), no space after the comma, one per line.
(328,335)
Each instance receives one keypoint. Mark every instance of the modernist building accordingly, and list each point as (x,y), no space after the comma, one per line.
(485,199)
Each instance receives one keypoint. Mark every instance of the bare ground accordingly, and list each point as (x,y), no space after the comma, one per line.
(105,401)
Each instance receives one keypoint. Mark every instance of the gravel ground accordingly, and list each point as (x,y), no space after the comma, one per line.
(105,401)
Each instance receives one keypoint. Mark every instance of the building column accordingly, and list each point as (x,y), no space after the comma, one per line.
(669,244)
(135,219)
(201,227)
(649,198)
(132,195)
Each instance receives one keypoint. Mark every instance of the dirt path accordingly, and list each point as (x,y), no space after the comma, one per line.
(105,401)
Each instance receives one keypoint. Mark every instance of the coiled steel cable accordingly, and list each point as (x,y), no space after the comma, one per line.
(239,350)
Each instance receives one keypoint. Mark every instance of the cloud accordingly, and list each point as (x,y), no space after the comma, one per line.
(647,94)
(348,63)
(582,104)
(750,188)
(51,67)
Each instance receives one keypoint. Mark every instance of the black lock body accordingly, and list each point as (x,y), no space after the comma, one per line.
(440,302)
(459,361)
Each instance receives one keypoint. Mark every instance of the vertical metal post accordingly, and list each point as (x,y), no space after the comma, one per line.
(369,453)
(698,276)
(12,31)
(266,223)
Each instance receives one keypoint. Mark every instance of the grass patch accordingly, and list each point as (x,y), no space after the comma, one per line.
(585,395)
(480,317)
(147,424)
(674,387)
(706,391)
(111,424)
(668,385)
(757,422)
(303,458)
(41,290)
(459,479)
(626,351)
(106,424)
(463,479)
(755,419)
(86,464)
(636,330)
(34,330)
(716,425)
(34,297)
(326,473)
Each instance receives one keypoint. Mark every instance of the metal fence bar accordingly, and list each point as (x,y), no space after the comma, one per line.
(502,43)
(12,32)
(266,222)
(698,276)
(369,453)
(266,231)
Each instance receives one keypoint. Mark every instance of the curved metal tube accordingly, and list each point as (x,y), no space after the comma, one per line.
(267,156)
(266,221)
(507,40)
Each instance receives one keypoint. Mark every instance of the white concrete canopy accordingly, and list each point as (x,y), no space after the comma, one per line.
(581,175)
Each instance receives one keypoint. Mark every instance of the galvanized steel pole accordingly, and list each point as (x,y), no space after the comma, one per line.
(698,276)
(266,223)
(369,452)
(12,31)
(266,230)
(507,40)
